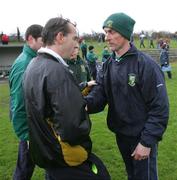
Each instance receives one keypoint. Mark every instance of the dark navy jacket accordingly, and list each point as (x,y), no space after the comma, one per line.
(135,92)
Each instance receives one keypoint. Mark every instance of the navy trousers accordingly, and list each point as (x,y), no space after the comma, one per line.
(25,166)
(137,170)
(92,169)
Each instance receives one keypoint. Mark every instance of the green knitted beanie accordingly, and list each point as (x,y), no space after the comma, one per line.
(121,23)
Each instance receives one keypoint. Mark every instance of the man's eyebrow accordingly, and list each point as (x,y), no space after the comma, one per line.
(110,30)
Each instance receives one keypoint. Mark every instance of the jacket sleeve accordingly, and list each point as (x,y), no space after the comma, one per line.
(96,100)
(155,96)
(70,118)
(83,85)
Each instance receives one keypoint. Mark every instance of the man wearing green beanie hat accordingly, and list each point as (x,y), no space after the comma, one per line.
(121,23)
(133,86)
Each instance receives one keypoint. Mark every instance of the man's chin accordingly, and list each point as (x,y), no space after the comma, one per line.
(112,48)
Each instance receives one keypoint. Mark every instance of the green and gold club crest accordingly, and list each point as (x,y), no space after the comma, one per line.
(109,23)
(131,79)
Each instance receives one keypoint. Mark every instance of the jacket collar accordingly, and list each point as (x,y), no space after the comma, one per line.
(52,53)
(29,50)
(132,50)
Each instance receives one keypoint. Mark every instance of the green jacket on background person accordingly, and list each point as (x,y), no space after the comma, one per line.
(80,69)
(91,57)
(105,55)
(17,104)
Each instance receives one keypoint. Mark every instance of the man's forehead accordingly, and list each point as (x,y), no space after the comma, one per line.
(74,30)
(108,29)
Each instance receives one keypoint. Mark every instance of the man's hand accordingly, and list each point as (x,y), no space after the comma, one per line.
(141,152)
(91,83)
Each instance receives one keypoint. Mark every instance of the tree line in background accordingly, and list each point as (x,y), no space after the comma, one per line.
(97,36)
(155,35)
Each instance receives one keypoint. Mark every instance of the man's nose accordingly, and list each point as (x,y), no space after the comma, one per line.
(106,37)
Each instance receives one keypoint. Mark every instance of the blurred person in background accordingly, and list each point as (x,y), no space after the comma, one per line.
(80,71)
(92,62)
(164,60)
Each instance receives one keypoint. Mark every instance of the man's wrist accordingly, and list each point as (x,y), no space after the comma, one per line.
(145,144)
(86,84)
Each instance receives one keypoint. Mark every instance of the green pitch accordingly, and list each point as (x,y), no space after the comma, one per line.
(104,144)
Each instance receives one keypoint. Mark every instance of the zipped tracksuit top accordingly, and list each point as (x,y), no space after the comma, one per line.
(17,103)
(134,89)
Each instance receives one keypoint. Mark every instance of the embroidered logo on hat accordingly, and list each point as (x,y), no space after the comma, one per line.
(131,79)
(109,23)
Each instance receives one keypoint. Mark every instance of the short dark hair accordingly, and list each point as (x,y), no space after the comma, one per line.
(53,27)
(34,30)
(91,48)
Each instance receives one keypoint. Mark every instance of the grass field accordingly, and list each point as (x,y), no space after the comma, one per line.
(104,144)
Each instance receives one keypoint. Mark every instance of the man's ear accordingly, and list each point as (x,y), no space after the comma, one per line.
(30,38)
(60,37)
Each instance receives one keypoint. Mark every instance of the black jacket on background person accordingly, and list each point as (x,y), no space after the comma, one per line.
(53,130)
(134,89)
